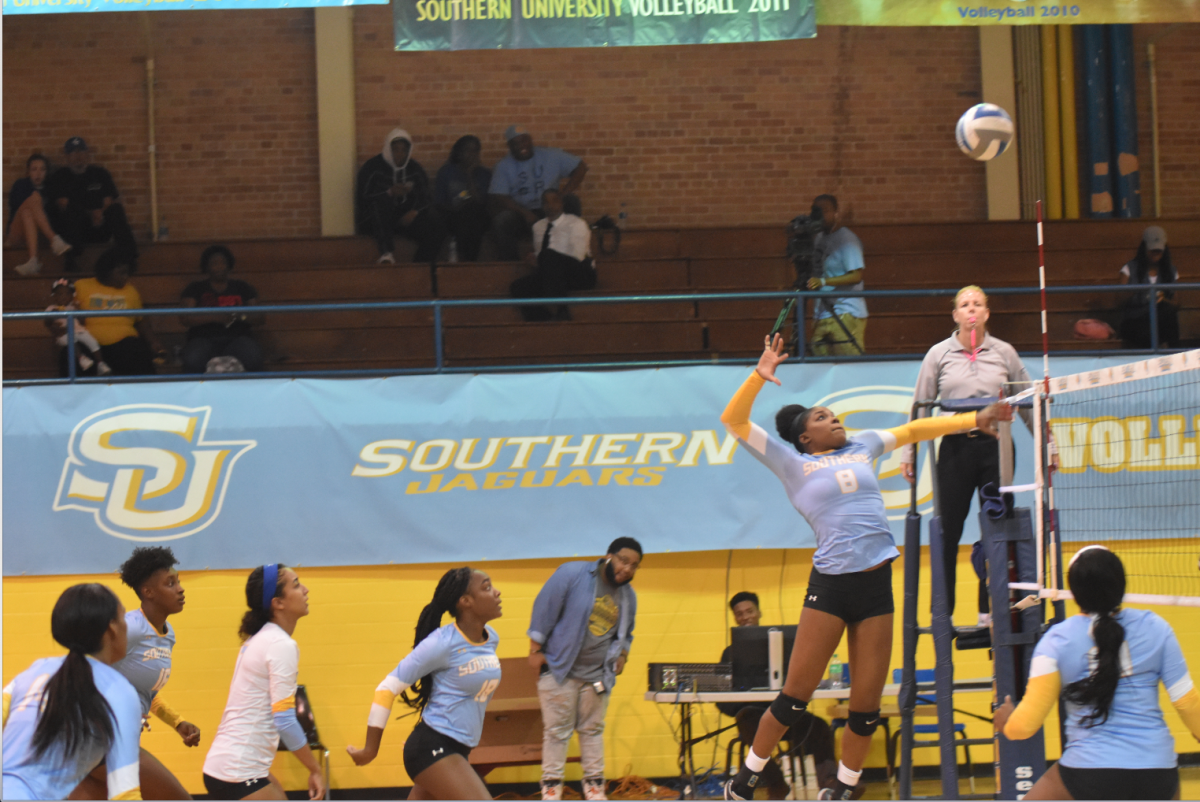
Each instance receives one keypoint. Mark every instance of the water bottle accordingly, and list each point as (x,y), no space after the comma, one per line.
(835,673)
(622,217)
(453,251)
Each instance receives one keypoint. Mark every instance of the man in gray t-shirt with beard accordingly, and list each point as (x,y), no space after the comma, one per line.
(580,634)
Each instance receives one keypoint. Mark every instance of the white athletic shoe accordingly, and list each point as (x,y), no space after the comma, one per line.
(594,789)
(59,245)
(102,369)
(386,259)
(30,268)
(552,790)
(730,793)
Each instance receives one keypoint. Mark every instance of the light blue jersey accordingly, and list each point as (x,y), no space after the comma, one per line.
(525,181)
(49,777)
(147,661)
(838,494)
(1135,736)
(465,675)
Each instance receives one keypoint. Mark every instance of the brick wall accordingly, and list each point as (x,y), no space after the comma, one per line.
(702,135)
(1179,119)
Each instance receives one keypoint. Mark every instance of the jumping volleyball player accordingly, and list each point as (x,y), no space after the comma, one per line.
(453,672)
(1111,662)
(63,715)
(261,710)
(147,665)
(830,481)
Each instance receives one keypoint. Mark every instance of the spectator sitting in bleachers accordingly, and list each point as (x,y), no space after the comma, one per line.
(27,215)
(520,178)
(85,206)
(127,343)
(562,259)
(88,358)
(1151,265)
(460,191)
(225,333)
(394,194)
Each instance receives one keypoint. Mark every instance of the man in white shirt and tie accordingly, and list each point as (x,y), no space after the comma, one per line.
(562,258)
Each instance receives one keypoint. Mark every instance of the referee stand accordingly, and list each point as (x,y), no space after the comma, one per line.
(1010,548)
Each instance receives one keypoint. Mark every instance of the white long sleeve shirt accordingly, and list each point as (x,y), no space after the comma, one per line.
(569,235)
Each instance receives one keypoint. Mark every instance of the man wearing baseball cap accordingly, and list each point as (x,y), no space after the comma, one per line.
(520,178)
(85,207)
(1151,265)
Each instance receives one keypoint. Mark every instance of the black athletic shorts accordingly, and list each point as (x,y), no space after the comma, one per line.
(427,746)
(1120,783)
(852,597)
(219,789)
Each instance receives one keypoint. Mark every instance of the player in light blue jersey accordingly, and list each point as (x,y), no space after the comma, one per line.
(150,571)
(830,480)
(1107,665)
(64,715)
(453,672)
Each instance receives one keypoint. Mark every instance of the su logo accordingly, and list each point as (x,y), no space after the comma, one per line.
(146,471)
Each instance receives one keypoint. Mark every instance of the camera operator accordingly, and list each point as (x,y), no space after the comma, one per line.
(839,256)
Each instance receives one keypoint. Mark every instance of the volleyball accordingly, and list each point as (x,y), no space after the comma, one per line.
(984,131)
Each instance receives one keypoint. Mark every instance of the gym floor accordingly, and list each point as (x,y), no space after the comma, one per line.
(1189,777)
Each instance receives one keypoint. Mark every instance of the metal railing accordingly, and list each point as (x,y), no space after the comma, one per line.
(438,305)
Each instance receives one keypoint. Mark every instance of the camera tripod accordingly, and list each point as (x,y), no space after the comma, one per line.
(793,341)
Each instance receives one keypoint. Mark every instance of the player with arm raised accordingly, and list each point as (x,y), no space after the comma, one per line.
(452,672)
(830,481)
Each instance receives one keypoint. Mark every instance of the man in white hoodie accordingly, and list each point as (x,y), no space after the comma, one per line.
(393,196)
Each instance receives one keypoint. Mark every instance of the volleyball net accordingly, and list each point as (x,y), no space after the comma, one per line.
(1128,443)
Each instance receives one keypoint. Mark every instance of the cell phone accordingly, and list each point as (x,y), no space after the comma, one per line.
(783,316)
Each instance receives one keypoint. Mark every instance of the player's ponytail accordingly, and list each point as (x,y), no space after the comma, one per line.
(259,615)
(1097,580)
(452,587)
(790,423)
(74,712)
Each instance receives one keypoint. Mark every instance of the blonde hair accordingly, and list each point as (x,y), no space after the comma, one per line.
(970,288)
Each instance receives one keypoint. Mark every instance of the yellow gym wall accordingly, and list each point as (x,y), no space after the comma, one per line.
(362,623)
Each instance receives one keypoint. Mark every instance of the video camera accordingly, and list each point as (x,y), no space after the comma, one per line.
(801,248)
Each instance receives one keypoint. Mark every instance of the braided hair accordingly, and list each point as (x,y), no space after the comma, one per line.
(790,422)
(1097,580)
(74,712)
(452,587)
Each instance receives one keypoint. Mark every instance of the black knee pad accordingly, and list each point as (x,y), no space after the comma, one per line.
(863,723)
(787,710)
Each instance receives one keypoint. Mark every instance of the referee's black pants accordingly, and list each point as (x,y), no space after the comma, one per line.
(966,462)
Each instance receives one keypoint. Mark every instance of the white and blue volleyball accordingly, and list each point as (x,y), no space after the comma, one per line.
(984,131)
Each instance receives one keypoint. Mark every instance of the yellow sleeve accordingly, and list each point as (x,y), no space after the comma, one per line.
(7,703)
(1188,706)
(385,696)
(928,428)
(164,712)
(736,416)
(1041,694)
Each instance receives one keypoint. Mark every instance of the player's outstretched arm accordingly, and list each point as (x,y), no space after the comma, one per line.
(736,416)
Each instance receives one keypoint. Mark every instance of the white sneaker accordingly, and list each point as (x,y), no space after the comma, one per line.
(30,268)
(985,619)
(59,245)
(85,361)
(594,789)
(552,790)
(389,259)
(102,369)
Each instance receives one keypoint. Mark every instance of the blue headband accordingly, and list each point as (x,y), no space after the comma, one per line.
(270,583)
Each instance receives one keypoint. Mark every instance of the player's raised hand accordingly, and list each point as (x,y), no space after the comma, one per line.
(987,418)
(1000,717)
(772,355)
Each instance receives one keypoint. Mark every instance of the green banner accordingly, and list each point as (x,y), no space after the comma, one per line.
(490,24)
(1004,12)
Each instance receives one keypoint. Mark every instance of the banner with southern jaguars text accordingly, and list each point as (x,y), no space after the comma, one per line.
(516,24)
(232,474)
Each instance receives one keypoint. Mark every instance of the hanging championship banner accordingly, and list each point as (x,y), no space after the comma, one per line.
(1004,12)
(77,6)
(517,24)
(425,468)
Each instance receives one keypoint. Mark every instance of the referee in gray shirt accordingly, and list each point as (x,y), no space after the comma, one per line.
(969,364)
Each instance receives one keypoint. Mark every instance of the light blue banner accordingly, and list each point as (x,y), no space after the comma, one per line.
(78,6)
(420,469)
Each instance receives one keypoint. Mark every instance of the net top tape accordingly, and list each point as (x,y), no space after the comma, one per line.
(1134,371)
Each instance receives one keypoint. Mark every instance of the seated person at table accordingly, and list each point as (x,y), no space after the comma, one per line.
(812,734)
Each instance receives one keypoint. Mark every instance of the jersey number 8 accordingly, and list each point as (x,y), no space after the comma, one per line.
(846,480)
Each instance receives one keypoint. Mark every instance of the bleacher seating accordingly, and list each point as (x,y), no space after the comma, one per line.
(675,261)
